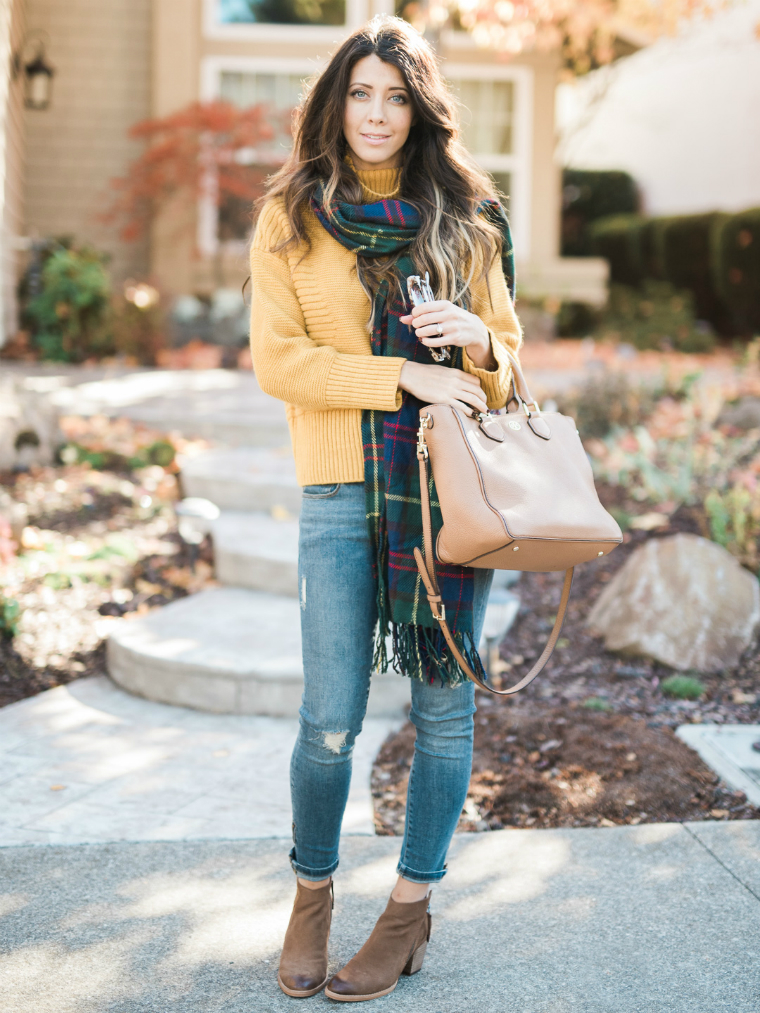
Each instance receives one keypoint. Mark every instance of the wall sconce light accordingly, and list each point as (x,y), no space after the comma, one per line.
(38,75)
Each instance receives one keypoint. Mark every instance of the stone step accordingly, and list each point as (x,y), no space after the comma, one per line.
(228,650)
(245,478)
(256,551)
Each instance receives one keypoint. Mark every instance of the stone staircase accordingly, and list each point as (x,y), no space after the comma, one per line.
(237,649)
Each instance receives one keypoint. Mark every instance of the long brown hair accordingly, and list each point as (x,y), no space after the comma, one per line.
(438,176)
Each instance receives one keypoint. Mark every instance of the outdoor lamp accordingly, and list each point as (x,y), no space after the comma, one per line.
(194,518)
(38,77)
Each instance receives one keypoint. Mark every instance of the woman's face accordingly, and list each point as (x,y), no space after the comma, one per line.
(378,114)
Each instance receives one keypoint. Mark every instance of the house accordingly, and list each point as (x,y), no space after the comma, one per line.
(119,61)
(681,117)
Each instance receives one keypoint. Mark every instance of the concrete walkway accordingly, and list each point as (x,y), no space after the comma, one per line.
(88,762)
(651,919)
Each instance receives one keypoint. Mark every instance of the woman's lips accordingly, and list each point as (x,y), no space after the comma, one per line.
(375,138)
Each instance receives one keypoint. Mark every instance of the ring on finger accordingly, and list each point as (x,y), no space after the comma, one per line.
(440,331)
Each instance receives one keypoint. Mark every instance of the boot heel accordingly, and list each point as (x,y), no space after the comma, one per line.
(414,964)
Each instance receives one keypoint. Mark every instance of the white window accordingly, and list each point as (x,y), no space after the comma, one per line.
(283,19)
(496,109)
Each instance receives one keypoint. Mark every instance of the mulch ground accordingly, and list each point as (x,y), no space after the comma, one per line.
(592,741)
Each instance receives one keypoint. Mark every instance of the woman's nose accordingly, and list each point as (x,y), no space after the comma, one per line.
(377,112)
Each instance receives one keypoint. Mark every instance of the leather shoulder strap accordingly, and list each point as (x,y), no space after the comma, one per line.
(426,566)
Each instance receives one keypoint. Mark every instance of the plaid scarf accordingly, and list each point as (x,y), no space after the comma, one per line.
(391,472)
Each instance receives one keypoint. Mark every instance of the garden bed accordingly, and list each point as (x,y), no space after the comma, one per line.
(591,741)
(95,543)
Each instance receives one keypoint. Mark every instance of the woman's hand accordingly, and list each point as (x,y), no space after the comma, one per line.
(443,323)
(443,385)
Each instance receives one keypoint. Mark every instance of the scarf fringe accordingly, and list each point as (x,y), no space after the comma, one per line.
(421,652)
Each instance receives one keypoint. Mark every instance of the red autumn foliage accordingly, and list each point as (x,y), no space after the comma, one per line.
(203,150)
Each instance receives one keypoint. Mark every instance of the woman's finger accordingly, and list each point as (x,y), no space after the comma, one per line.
(432,307)
(431,320)
(472,398)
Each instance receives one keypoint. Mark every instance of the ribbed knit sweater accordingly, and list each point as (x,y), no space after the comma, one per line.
(311,347)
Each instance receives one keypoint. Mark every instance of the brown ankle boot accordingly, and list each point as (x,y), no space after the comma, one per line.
(303,962)
(397,946)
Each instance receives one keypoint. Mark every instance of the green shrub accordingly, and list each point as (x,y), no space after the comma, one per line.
(682,687)
(618,240)
(587,196)
(683,255)
(655,316)
(68,318)
(576,319)
(736,265)
(10,612)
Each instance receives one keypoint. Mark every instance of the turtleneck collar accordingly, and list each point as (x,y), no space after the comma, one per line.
(377,184)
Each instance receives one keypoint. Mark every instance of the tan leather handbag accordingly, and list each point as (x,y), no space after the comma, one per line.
(516,493)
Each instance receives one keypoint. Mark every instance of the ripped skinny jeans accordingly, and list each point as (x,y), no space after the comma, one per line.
(338,616)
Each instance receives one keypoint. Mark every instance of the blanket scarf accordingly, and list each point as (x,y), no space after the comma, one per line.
(391,474)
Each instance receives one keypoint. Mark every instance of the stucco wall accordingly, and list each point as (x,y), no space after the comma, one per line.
(101,51)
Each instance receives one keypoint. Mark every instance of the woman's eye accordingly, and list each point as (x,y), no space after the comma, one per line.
(400,100)
(359,93)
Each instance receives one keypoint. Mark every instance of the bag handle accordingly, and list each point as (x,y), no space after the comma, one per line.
(426,566)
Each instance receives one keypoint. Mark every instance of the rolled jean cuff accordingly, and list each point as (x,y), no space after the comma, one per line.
(420,877)
(313,875)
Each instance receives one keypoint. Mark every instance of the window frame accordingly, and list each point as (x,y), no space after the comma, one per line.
(518,164)
(212,68)
(357,12)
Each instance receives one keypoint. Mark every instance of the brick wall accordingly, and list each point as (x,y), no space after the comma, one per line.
(101,51)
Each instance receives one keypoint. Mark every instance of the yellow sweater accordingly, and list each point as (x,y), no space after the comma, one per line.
(311,347)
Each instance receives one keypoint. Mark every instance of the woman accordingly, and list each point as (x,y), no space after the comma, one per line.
(377,188)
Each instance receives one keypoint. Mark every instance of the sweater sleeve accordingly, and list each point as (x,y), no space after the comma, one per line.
(491,302)
(289,364)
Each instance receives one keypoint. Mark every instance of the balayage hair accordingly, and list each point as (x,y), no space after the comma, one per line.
(438,176)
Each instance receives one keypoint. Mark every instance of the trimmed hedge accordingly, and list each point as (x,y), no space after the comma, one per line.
(714,256)
(587,196)
(618,239)
(736,260)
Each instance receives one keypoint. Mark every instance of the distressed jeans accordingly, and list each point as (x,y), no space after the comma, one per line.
(338,616)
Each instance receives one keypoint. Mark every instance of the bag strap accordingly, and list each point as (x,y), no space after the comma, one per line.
(426,566)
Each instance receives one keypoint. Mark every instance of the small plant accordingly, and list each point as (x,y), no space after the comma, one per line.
(683,687)
(734,518)
(10,612)
(596,703)
(605,402)
(160,452)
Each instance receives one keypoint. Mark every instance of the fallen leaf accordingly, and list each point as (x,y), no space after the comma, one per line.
(604,822)
(57,787)
(719,814)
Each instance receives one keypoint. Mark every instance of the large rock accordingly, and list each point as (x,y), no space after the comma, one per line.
(684,601)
